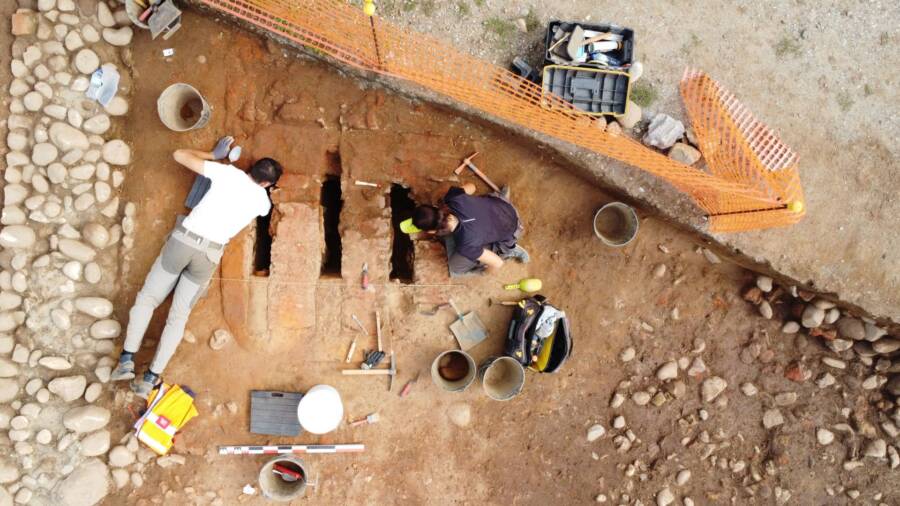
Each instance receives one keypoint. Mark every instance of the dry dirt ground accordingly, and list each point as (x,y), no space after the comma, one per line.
(822,74)
(439,448)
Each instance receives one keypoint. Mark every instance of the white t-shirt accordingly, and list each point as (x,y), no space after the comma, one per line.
(231,203)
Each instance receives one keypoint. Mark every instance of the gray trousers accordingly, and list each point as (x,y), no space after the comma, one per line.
(461,266)
(185,264)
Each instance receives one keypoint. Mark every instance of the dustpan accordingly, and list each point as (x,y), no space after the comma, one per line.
(468,329)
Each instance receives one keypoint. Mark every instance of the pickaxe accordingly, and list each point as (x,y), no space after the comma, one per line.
(467,163)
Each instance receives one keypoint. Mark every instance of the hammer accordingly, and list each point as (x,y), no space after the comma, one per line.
(376,372)
(471,166)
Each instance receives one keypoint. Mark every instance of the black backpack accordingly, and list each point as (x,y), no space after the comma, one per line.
(546,354)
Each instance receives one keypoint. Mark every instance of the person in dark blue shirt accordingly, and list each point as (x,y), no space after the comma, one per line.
(480,232)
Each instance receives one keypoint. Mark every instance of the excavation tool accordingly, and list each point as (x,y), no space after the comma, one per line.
(361,326)
(527,285)
(378,330)
(468,329)
(351,350)
(286,449)
(408,386)
(373,358)
(391,372)
(467,163)
(431,310)
(365,276)
(286,474)
(491,302)
(369,419)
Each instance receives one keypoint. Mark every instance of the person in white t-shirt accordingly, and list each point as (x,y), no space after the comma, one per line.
(192,252)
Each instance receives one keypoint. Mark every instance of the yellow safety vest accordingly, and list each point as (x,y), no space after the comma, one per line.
(169,408)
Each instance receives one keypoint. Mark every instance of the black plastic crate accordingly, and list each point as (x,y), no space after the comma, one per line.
(625,55)
(593,90)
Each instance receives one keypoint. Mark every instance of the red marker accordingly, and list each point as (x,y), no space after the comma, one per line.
(365,276)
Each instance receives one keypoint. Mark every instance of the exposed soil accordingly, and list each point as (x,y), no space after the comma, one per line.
(531,450)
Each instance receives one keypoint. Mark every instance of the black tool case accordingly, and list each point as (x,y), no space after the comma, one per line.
(596,91)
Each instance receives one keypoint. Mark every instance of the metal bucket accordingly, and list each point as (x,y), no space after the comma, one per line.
(502,377)
(275,487)
(181,108)
(616,224)
(453,370)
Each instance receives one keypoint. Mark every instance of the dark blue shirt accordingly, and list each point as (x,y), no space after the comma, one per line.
(483,221)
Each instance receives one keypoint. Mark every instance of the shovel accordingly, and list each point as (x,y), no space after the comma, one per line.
(468,329)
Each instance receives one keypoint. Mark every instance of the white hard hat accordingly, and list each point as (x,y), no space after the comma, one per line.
(320,410)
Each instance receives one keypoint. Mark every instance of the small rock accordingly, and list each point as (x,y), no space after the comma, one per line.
(120,457)
(824,436)
(765,310)
(220,339)
(683,477)
(93,391)
(640,398)
(812,316)
(86,418)
(68,388)
(712,387)
(116,152)
(88,484)
(87,61)
(851,328)
(686,154)
(627,355)
(595,432)
(170,460)
(749,389)
(663,131)
(876,449)
(825,380)
(667,371)
(785,398)
(772,418)
(834,363)
(665,497)
(118,37)
(55,363)
(886,345)
(659,271)
(95,444)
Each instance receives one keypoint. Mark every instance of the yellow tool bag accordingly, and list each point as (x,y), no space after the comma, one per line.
(169,408)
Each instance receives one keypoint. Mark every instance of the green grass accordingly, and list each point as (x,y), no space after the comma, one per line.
(463,8)
(844,101)
(532,21)
(502,28)
(479,3)
(643,94)
(867,90)
(428,7)
(787,46)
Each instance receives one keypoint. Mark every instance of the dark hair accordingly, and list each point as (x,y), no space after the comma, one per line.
(266,170)
(431,218)
(426,217)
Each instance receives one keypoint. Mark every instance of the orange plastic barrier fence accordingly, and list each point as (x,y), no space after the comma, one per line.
(750,179)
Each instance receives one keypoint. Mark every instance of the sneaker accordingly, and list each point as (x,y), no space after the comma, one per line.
(142,387)
(519,254)
(123,371)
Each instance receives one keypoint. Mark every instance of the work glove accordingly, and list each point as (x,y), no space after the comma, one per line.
(222,147)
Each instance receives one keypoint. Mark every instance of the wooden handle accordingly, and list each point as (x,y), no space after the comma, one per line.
(378,328)
(366,372)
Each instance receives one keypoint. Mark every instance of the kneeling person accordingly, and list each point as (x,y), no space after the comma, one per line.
(480,232)
(192,252)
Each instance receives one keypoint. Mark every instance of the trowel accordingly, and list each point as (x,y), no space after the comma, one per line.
(468,329)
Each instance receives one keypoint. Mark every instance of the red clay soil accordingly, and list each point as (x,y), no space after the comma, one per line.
(531,450)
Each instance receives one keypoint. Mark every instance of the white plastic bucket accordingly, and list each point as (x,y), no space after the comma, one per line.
(320,410)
